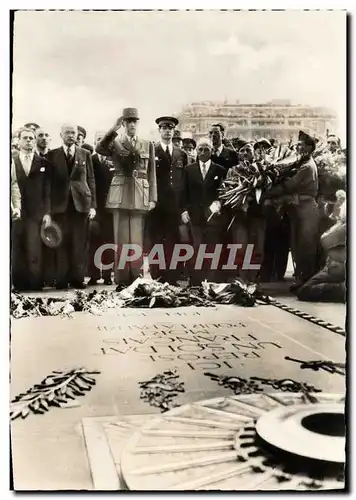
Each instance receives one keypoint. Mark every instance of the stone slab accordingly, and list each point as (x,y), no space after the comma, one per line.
(131,345)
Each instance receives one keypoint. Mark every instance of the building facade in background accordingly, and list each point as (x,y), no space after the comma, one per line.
(276,119)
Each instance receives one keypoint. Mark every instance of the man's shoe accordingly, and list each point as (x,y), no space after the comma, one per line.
(295,287)
(92,282)
(62,286)
(108,281)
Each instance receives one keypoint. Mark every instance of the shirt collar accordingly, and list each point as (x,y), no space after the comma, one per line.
(71,149)
(220,148)
(23,154)
(170,146)
(134,138)
(207,164)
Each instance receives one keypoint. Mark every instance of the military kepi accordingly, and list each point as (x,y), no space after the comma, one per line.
(307,139)
(130,114)
(167,119)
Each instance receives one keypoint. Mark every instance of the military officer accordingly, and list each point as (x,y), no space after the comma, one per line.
(298,193)
(189,146)
(165,219)
(133,189)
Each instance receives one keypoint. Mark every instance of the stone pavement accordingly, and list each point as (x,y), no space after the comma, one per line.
(131,345)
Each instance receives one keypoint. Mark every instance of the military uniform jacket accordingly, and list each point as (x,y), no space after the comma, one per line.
(170,178)
(134,184)
(303,184)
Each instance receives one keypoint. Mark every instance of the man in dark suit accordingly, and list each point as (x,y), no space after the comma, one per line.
(43,140)
(103,233)
(72,202)
(190,146)
(32,175)
(222,155)
(200,207)
(164,220)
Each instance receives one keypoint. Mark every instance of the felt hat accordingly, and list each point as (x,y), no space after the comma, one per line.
(263,142)
(188,140)
(51,235)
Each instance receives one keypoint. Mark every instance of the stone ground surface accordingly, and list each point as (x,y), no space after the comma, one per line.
(132,345)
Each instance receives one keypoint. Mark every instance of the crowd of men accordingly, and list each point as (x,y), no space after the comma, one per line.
(69,201)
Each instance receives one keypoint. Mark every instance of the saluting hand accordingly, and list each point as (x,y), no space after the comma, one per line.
(118,123)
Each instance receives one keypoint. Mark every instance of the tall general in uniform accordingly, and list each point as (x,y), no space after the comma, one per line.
(165,219)
(133,189)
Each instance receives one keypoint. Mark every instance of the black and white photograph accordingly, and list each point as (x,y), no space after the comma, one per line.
(178,207)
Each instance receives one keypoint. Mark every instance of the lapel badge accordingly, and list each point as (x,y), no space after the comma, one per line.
(42,169)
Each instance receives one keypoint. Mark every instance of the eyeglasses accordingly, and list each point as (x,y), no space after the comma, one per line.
(204,150)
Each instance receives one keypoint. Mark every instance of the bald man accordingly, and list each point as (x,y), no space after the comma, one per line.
(73,202)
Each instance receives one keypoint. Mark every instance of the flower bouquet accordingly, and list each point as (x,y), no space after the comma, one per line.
(331,172)
(246,183)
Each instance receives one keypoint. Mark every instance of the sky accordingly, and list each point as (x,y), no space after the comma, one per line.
(84,67)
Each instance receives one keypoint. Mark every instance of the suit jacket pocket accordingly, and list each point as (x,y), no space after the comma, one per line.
(146,191)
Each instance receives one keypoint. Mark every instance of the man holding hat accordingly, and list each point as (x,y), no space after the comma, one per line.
(189,146)
(298,194)
(72,204)
(133,189)
(103,222)
(164,221)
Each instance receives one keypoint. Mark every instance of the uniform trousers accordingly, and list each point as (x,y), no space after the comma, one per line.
(304,220)
(328,285)
(162,226)
(128,229)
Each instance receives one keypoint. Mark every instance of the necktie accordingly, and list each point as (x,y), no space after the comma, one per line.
(69,155)
(203,168)
(27,163)
(133,142)
(168,153)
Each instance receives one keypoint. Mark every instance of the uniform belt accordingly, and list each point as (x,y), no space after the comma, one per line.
(138,174)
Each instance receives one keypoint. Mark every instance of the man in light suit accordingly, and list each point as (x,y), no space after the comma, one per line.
(133,189)
(30,178)
(72,203)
